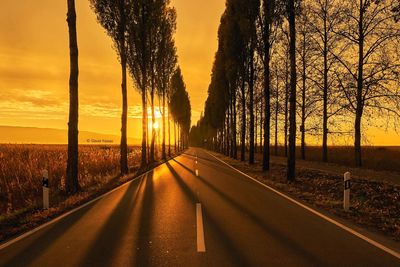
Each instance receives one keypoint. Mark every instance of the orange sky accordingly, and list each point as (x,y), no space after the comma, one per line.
(34,66)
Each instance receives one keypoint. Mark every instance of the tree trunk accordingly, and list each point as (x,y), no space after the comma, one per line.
(276,114)
(357,140)
(303,102)
(175,136)
(169,135)
(251,106)
(325,98)
(232,152)
(218,144)
(124,169)
(287,87)
(291,164)
(243,136)
(227,134)
(144,124)
(124,117)
(360,84)
(256,129)
(124,120)
(235,150)
(71,182)
(267,84)
(179,137)
(224,136)
(261,125)
(182,139)
(153,121)
(164,154)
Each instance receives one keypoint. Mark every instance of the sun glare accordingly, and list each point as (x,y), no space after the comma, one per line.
(155,125)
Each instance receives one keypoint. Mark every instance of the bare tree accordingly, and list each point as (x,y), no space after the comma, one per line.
(284,42)
(325,16)
(306,48)
(370,68)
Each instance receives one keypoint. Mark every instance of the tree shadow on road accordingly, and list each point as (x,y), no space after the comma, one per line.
(233,251)
(35,245)
(109,239)
(268,228)
(143,255)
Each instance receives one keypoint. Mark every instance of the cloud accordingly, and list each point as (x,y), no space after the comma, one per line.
(38,98)
(37,104)
(34,62)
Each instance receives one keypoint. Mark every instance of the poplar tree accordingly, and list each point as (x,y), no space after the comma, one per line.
(113,15)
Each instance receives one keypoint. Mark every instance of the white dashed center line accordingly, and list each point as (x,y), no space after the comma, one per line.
(201,247)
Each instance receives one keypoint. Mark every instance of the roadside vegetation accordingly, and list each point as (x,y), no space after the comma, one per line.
(143,36)
(379,158)
(294,73)
(21,204)
(288,74)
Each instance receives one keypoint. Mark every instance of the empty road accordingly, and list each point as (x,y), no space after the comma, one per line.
(193,211)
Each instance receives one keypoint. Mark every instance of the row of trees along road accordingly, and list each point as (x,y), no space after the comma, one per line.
(332,64)
(143,35)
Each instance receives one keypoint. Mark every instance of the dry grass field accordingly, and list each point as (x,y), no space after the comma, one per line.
(379,158)
(21,181)
(21,165)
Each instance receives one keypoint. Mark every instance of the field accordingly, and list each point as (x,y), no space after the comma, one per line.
(21,165)
(379,158)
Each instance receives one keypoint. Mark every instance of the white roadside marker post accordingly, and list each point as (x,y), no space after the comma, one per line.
(346,193)
(45,186)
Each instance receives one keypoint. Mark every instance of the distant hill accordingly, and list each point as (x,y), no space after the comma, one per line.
(33,135)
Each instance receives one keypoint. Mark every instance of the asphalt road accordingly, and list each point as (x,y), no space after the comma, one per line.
(193,211)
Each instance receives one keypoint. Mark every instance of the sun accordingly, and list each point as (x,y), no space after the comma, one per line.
(155,125)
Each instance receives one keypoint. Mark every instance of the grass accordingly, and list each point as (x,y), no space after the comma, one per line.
(380,158)
(21,165)
(21,181)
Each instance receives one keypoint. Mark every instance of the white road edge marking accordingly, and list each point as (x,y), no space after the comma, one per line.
(201,247)
(12,241)
(340,225)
